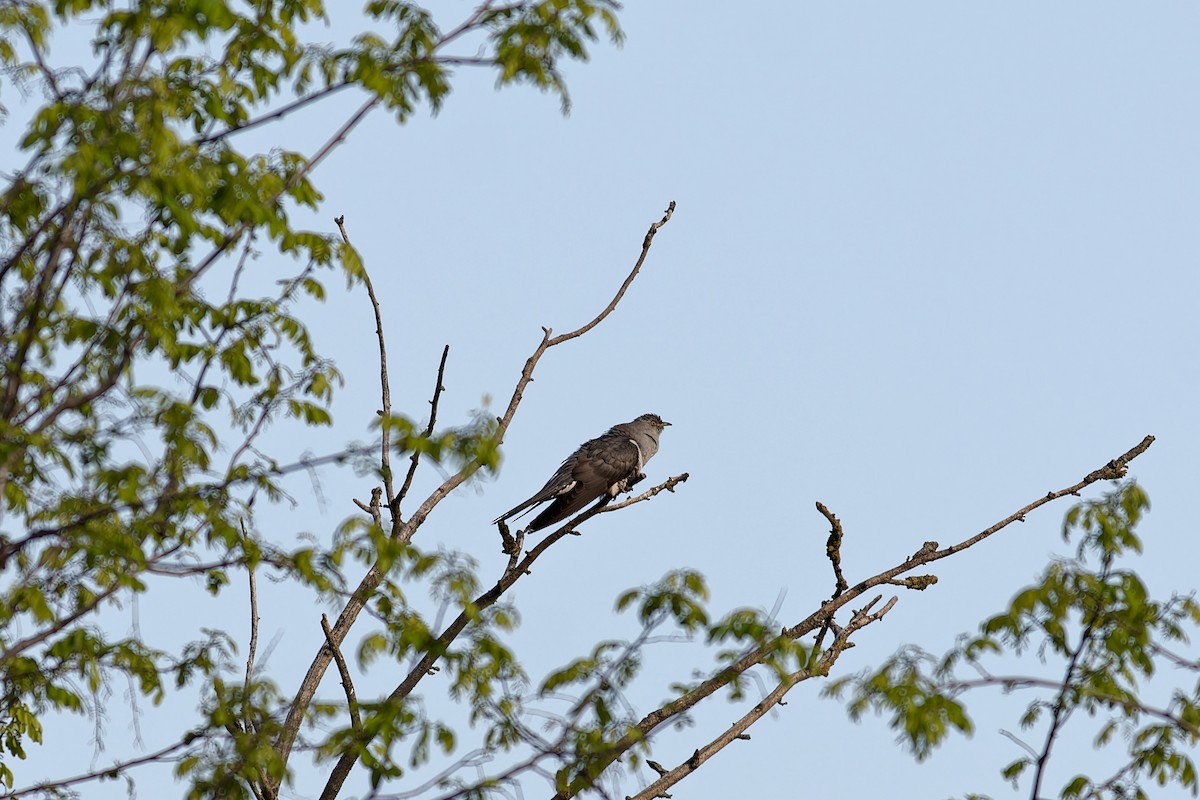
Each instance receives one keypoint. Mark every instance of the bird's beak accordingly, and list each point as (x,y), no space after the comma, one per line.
(666,424)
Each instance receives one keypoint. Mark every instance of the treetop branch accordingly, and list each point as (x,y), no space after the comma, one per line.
(821,617)
(548,340)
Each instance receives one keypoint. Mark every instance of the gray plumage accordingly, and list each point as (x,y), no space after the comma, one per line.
(600,469)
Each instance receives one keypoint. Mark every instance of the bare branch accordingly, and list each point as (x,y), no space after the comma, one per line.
(737,731)
(1012,737)
(650,234)
(548,341)
(1113,470)
(373,508)
(385,466)
(821,618)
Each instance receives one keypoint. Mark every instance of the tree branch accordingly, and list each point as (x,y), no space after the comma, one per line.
(548,341)
(666,486)
(117,768)
(929,552)
(330,145)
(737,731)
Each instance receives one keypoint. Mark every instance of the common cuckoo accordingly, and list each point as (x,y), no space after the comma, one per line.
(600,469)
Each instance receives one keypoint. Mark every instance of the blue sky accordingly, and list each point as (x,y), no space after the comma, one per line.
(930,261)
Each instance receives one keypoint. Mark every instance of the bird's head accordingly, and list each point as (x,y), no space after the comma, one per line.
(653,419)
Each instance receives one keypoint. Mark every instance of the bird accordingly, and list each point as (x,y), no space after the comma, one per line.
(600,469)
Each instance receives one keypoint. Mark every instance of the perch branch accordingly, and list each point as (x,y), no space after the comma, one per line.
(512,573)
(666,486)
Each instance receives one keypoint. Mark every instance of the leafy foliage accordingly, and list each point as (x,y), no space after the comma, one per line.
(142,360)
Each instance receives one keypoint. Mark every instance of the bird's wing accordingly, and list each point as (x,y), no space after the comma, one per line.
(584,476)
(560,481)
(594,469)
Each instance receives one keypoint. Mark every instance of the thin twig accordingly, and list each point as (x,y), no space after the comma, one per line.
(1113,470)
(117,768)
(253,643)
(1012,737)
(650,234)
(548,340)
(385,466)
(833,550)
(372,508)
(416,456)
(279,113)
